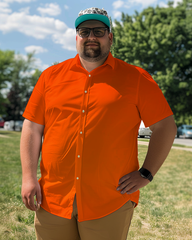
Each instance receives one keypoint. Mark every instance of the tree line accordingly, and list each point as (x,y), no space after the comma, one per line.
(160,41)
(156,39)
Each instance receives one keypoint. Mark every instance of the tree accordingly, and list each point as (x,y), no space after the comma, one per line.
(22,77)
(6,67)
(160,41)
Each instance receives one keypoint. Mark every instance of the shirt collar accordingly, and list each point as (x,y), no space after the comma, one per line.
(110,61)
(76,62)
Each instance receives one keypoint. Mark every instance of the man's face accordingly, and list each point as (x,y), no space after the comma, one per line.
(91,48)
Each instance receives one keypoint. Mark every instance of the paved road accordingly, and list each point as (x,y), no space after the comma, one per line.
(173,147)
(186,142)
(182,141)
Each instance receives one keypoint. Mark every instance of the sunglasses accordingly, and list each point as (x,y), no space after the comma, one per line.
(85,32)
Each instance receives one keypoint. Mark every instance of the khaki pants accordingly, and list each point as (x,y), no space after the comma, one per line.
(114,226)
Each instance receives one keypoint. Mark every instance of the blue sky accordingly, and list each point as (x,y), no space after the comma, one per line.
(48,26)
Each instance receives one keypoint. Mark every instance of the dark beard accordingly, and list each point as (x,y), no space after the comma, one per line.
(93,54)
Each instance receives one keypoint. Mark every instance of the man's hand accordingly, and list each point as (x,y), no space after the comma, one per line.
(31,188)
(132,182)
(30,147)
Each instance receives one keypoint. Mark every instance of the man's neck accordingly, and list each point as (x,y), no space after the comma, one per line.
(89,66)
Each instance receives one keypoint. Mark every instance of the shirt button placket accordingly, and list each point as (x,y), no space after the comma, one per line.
(81,132)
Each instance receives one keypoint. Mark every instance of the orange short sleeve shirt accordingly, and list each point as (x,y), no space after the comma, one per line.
(91,124)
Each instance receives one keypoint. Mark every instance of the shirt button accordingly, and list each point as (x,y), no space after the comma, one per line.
(77,178)
(81,132)
(89,75)
(78,156)
(85,91)
(83,111)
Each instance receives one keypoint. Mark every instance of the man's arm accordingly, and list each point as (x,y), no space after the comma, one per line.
(30,146)
(163,134)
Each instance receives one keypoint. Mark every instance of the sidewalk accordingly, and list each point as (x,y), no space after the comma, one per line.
(179,148)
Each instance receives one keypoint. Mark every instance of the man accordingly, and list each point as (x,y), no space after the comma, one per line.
(88,110)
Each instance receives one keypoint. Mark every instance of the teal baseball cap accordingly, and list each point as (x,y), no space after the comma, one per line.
(93,14)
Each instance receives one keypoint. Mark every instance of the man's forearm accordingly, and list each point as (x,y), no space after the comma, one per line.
(30,150)
(160,144)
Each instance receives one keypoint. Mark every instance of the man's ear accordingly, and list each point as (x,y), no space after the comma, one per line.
(76,37)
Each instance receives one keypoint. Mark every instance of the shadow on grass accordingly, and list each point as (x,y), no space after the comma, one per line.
(2,132)
(9,133)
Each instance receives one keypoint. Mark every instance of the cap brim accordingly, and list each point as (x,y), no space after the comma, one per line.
(88,17)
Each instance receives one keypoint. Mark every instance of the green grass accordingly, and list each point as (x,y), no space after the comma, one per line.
(164,211)
(143,139)
(16,220)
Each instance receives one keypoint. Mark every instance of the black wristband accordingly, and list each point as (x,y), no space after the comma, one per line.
(146,174)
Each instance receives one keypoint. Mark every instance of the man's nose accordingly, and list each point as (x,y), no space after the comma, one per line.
(91,35)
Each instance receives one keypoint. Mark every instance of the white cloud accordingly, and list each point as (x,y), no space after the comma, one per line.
(67,39)
(66,7)
(19,1)
(176,2)
(144,3)
(25,10)
(38,27)
(36,49)
(35,26)
(118,4)
(116,14)
(40,65)
(163,5)
(51,9)
(4,8)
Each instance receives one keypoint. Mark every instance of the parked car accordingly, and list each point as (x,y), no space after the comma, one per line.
(143,131)
(18,125)
(1,122)
(184,131)
(9,125)
(13,125)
